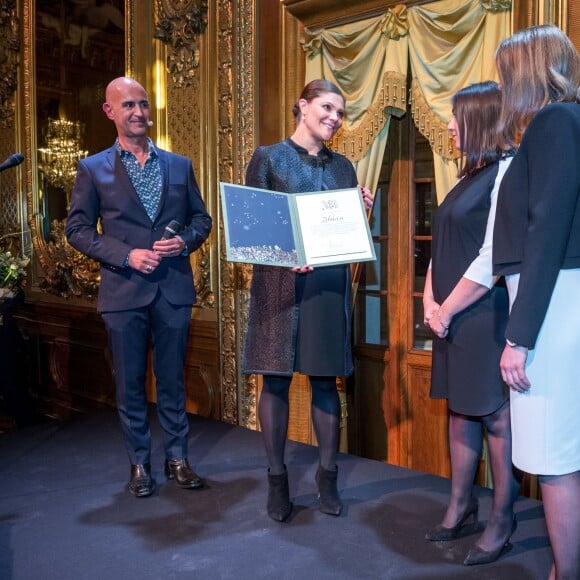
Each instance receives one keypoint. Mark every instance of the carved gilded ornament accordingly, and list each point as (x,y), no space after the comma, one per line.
(236,50)
(9,49)
(67,272)
(179,24)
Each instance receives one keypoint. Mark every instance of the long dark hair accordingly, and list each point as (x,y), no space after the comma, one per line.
(536,66)
(476,109)
(313,90)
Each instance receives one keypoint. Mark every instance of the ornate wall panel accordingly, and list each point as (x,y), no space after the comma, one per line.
(9,49)
(180,26)
(235,98)
(9,60)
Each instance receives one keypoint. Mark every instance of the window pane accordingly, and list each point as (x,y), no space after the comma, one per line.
(424,208)
(378,221)
(423,158)
(375,272)
(371,315)
(422,259)
(422,336)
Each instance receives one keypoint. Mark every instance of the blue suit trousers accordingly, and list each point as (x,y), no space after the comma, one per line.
(130,332)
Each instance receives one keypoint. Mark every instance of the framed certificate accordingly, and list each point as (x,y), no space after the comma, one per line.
(319,228)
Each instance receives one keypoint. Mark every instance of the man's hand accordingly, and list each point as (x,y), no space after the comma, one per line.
(145,261)
(169,248)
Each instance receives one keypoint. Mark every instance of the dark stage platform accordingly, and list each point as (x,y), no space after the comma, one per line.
(65,514)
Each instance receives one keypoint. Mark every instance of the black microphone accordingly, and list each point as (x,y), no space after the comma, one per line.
(12,161)
(172,228)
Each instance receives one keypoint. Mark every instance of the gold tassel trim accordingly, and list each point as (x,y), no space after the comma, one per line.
(355,143)
(430,125)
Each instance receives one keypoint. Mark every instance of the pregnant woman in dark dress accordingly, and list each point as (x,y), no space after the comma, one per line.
(468,310)
(299,319)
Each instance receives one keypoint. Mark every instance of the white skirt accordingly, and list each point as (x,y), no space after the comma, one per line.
(546,418)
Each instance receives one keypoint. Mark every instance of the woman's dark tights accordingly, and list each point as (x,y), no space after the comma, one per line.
(465,441)
(273,412)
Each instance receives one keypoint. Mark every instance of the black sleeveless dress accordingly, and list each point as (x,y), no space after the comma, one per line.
(466,362)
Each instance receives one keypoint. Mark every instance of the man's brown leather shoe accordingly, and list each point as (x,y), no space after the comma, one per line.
(141,483)
(181,472)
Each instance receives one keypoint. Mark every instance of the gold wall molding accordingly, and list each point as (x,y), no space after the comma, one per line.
(179,24)
(9,183)
(9,52)
(236,141)
(183,115)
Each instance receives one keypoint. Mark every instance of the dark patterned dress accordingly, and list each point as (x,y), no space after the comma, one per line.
(299,322)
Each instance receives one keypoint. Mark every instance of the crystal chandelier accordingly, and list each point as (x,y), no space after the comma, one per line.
(60,157)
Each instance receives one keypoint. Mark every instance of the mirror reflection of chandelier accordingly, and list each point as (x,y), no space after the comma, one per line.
(59,159)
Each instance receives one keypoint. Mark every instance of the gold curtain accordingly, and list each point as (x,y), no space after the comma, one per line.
(367,60)
(449,44)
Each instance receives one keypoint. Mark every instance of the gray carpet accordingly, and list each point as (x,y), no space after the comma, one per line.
(65,514)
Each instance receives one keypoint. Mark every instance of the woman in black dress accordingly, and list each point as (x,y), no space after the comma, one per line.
(468,310)
(299,319)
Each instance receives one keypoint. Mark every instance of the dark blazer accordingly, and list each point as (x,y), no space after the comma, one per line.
(103,191)
(537,224)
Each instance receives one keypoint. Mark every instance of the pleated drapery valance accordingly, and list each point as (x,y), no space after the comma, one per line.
(448,44)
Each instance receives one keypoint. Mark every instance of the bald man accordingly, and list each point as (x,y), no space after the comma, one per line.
(135,190)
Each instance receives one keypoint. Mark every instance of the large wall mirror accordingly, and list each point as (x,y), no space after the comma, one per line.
(76,48)
(80,47)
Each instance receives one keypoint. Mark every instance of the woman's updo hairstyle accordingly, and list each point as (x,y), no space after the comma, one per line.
(313,90)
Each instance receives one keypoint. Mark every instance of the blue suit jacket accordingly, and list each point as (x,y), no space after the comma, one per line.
(107,220)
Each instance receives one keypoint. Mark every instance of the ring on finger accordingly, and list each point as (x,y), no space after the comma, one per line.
(149,268)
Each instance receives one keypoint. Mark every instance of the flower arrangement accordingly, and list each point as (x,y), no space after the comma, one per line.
(12,273)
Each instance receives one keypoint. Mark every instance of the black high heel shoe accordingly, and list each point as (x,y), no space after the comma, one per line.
(477,556)
(443,534)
